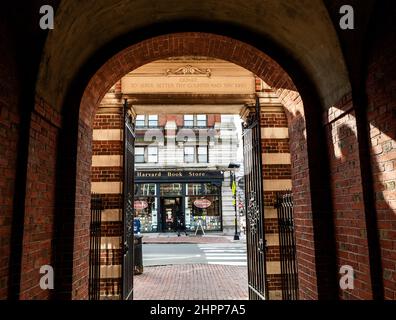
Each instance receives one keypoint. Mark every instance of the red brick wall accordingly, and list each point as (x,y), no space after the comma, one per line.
(100,148)
(248,57)
(40,200)
(304,227)
(9,135)
(108,121)
(348,201)
(275,145)
(277,171)
(106,174)
(381,114)
(273,120)
(350,235)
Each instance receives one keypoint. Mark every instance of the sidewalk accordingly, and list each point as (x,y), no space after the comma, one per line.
(165,238)
(192,282)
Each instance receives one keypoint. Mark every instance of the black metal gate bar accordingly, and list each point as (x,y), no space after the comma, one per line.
(94,247)
(255,232)
(128,208)
(287,245)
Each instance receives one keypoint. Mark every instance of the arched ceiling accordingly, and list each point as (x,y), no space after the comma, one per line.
(303,29)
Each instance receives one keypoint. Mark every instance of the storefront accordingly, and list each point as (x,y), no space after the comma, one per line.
(166,201)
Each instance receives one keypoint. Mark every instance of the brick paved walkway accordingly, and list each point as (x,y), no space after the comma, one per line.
(192,282)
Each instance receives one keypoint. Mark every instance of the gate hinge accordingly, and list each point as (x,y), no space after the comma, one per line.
(125,248)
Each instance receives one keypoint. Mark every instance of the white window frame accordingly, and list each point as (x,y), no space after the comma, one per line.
(201,120)
(152,118)
(188,120)
(137,121)
(189,154)
(152,157)
(140,154)
(199,153)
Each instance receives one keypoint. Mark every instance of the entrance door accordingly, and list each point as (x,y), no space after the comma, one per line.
(128,207)
(171,214)
(255,235)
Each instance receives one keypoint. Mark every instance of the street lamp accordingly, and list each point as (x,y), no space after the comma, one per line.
(234,188)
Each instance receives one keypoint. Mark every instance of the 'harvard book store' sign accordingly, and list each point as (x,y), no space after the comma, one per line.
(178,175)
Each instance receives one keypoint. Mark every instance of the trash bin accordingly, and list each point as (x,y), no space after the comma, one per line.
(138,254)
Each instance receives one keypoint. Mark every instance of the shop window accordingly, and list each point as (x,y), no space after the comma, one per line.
(206,211)
(152,154)
(171,190)
(145,189)
(203,154)
(188,120)
(189,154)
(146,206)
(139,154)
(153,120)
(196,189)
(140,120)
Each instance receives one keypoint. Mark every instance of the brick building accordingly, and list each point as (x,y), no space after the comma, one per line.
(336,86)
(184,157)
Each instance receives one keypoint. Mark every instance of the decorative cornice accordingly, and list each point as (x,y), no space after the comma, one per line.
(189,70)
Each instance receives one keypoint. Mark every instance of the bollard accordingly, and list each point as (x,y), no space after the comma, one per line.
(138,254)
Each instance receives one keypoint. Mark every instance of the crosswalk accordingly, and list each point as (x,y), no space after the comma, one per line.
(222,254)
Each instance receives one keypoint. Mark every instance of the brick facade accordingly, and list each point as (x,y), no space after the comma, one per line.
(273,117)
(380,86)
(49,163)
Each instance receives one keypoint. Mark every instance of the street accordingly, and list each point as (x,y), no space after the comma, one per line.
(232,254)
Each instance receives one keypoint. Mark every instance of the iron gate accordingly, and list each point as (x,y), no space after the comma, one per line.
(287,245)
(128,208)
(255,234)
(94,247)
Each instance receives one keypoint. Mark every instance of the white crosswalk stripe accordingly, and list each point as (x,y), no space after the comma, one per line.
(224,255)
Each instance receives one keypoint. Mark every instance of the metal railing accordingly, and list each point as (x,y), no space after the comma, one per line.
(94,247)
(287,245)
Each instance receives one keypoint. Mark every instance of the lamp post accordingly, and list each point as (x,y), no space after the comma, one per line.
(234,188)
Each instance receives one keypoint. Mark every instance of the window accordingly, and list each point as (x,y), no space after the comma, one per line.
(188,120)
(139,154)
(153,120)
(201,120)
(146,189)
(189,154)
(140,120)
(198,120)
(203,154)
(152,153)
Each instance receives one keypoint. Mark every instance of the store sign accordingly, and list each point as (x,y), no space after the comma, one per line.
(202,203)
(178,174)
(140,204)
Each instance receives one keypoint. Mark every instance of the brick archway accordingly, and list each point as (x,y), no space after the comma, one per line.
(182,44)
(244,55)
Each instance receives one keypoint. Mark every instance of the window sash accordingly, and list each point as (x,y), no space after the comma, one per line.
(189,154)
(140,120)
(188,120)
(139,150)
(153,120)
(201,120)
(202,150)
(152,154)
(139,158)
